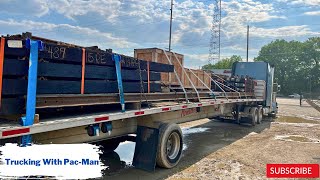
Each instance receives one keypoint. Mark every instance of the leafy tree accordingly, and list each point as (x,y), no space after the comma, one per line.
(223,64)
(296,64)
(311,64)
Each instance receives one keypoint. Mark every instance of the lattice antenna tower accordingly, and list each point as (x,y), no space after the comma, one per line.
(214,52)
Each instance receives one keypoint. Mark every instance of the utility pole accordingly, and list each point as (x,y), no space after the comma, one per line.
(248,31)
(171,9)
(220,30)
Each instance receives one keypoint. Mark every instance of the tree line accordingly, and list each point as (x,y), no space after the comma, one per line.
(225,63)
(297,64)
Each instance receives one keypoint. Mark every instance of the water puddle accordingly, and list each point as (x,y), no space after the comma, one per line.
(126,152)
(122,157)
(310,117)
(119,159)
(297,138)
(187,131)
(289,119)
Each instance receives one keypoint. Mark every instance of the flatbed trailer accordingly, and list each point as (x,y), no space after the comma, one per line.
(74,129)
(165,112)
(158,137)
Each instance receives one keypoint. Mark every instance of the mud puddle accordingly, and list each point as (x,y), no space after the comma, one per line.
(288,119)
(297,138)
(187,131)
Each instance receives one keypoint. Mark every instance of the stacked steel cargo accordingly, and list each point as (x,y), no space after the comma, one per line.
(60,69)
(219,79)
(240,84)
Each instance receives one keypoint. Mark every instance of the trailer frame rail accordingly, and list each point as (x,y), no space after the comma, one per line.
(15,130)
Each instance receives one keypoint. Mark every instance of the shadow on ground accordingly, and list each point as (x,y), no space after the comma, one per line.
(199,142)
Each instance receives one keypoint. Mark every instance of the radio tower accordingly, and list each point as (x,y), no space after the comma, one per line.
(214,52)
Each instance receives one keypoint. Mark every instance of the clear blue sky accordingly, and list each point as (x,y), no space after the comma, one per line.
(124,25)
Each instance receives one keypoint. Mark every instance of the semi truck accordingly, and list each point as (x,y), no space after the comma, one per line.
(154,127)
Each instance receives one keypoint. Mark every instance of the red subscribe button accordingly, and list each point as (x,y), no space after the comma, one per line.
(293,171)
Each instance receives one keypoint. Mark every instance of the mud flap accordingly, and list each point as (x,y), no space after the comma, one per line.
(146,148)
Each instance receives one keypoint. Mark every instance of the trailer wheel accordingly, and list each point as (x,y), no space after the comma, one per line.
(254,115)
(260,115)
(170,145)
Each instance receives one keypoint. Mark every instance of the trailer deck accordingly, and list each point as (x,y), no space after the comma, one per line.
(9,129)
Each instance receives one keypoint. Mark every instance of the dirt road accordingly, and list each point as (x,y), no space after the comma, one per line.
(293,138)
(224,150)
(201,138)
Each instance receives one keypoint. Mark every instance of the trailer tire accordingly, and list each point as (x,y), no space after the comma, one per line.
(170,145)
(253,115)
(260,115)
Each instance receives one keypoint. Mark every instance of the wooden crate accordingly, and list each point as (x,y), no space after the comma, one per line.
(196,82)
(157,55)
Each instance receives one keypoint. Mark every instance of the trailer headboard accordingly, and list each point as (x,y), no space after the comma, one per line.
(258,71)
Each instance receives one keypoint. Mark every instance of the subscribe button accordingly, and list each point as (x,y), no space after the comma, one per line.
(293,171)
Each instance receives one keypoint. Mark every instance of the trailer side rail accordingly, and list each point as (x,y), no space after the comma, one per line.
(14,130)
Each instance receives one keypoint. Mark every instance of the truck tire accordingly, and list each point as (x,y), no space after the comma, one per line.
(272,115)
(253,115)
(109,145)
(170,145)
(260,115)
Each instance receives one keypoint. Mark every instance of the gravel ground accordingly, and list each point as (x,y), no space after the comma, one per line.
(294,137)
(291,107)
